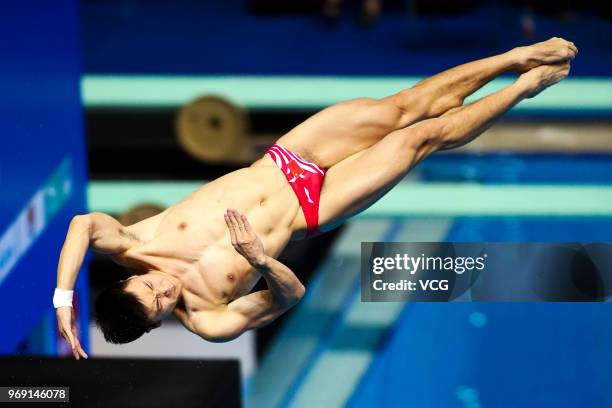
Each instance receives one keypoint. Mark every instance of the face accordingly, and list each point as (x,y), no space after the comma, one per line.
(158,291)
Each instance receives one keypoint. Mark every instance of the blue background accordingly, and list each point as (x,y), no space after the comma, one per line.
(223,37)
(41,124)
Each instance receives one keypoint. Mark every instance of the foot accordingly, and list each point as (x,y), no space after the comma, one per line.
(543,76)
(552,51)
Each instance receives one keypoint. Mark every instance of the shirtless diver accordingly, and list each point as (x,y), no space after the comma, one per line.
(201,257)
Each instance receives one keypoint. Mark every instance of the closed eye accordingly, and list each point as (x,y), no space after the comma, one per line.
(148,285)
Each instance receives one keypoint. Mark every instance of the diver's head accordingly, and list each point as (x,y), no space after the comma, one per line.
(129,308)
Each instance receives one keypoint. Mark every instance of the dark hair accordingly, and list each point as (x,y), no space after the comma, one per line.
(120,315)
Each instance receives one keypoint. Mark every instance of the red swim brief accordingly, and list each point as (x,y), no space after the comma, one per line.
(305,178)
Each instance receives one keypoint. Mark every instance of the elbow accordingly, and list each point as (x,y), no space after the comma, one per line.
(300,292)
(290,299)
(219,334)
(297,295)
(82,220)
(218,338)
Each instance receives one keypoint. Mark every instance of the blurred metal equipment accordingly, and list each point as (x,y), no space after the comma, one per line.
(212,129)
(140,212)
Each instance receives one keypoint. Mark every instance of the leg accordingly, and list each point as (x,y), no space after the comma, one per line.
(349,127)
(448,89)
(342,130)
(360,180)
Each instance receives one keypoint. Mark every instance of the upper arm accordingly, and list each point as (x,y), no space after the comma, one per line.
(106,234)
(258,308)
(245,313)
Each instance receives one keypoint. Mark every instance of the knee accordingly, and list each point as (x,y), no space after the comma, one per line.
(443,104)
(411,104)
(389,115)
(422,104)
(380,114)
(429,134)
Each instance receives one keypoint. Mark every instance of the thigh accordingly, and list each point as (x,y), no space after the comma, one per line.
(342,130)
(360,180)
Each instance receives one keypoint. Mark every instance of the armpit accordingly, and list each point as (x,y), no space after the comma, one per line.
(129,235)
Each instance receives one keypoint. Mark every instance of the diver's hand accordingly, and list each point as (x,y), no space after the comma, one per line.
(67,328)
(244,239)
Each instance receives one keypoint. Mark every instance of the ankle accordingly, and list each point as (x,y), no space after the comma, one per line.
(517,59)
(526,84)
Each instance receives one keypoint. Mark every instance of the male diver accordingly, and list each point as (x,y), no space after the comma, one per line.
(200,258)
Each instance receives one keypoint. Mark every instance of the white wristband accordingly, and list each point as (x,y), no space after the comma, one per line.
(62,298)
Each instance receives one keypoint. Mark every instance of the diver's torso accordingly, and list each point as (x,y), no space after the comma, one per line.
(192,242)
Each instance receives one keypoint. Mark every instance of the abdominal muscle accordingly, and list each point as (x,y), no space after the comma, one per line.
(192,240)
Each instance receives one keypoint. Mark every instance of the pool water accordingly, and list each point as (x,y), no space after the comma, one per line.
(502,354)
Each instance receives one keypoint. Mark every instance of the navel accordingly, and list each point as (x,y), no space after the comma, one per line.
(230,276)
(182,226)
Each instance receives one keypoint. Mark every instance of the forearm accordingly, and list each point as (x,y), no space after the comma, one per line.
(285,287)
(73,252)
